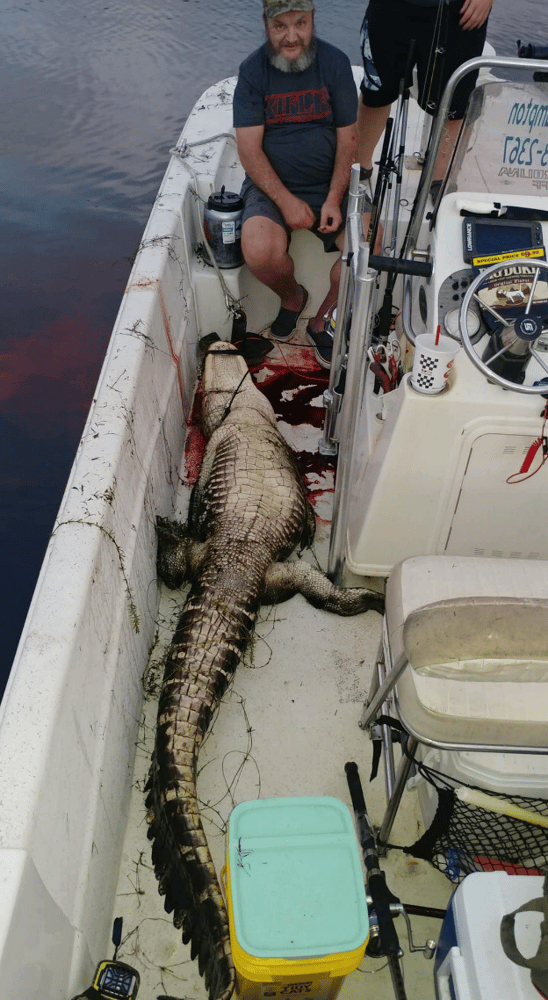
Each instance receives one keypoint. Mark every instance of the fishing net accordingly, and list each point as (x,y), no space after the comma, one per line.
(464,838)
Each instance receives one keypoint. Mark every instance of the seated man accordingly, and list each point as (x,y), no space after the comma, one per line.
(295,109)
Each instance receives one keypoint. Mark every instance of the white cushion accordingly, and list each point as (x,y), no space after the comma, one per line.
(480,638)
(473,629)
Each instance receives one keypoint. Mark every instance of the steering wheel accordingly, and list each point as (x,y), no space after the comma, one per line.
(527,326)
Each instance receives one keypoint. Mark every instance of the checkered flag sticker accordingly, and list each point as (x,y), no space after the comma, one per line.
(425,377)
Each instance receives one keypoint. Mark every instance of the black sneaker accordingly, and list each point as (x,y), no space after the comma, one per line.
(323,346)
(283,327)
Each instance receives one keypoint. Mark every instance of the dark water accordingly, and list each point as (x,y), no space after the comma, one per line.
(93,96)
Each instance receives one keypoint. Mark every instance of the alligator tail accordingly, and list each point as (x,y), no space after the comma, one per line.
(187,878)
(206,649)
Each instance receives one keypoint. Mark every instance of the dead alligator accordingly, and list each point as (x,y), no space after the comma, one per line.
(248,511)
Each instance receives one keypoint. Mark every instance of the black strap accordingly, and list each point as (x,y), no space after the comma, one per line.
(383,720)
(424,846)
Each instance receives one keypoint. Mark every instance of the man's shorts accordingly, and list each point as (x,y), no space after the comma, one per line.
(256,202)
(387,30)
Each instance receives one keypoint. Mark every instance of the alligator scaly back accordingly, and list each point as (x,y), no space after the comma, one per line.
(248,510)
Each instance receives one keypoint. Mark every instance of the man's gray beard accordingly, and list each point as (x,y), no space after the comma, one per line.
(286,65)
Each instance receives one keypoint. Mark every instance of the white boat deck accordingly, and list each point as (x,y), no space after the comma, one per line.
(287,726)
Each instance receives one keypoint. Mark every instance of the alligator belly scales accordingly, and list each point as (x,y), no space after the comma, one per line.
(248,512)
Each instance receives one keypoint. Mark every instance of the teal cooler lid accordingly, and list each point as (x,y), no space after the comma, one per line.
(296,879)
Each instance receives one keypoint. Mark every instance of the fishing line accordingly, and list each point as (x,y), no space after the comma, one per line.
(209,392)
(318,377)
(228,406)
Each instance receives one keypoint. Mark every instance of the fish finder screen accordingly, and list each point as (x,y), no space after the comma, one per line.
(516,247)
(488,237)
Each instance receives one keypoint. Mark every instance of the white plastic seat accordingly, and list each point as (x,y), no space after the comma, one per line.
(465,653)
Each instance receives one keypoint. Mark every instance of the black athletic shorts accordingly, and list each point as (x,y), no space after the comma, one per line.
(387,30)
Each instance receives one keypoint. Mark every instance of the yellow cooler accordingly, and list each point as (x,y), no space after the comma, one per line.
(296,897)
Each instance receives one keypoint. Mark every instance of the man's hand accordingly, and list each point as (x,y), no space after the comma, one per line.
(474,13)
(346,154)
(330,216)
(297,214)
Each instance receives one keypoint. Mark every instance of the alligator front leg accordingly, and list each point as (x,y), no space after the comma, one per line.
(179,555)
(283,579)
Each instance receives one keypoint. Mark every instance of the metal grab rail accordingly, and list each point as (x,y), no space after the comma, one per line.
(482,62)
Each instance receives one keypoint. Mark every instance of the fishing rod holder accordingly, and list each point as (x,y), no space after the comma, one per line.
(352,338)
(354,261)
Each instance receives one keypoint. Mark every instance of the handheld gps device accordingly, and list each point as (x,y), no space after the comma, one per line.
(113,980)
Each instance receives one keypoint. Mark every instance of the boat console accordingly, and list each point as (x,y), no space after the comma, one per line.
(457,470)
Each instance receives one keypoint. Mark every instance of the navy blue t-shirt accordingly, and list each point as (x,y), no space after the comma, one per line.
(301,113)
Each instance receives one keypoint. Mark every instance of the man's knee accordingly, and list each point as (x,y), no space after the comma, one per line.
(263,241)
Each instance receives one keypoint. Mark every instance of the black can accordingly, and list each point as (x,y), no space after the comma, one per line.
(223,227)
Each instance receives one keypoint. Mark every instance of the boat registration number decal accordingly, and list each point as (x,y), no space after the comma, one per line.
(525,151)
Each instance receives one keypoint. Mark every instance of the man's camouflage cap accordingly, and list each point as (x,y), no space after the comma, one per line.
(273,8)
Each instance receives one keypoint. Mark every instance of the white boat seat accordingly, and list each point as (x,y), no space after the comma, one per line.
(480,638)
(464,654)
(475,667)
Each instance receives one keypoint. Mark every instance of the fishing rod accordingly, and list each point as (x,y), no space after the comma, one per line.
(439,51)
(383,905)
(435,74)
(384,939)
(401,265)
(381,185)
(392,163)
(436,64)
(430,101)
(401,133)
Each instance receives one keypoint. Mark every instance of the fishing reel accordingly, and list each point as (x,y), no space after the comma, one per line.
(375,947)
(516,322)
(383,906)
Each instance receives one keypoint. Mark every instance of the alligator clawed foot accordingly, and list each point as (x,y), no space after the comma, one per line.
(171,561)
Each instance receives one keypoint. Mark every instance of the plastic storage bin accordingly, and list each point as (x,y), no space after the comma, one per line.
(296,897)
(470,963)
